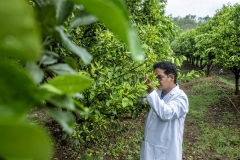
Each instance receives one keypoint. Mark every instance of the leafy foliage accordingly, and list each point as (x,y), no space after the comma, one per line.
(216,42)
(118,81)
(34,75)
(228,29)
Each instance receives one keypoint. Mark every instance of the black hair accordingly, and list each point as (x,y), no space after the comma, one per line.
(168,67)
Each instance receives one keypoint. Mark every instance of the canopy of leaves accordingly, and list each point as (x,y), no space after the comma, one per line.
(216,41)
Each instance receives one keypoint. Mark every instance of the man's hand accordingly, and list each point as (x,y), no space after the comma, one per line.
(148,82)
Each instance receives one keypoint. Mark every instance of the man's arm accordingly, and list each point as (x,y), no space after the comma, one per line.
(166,111)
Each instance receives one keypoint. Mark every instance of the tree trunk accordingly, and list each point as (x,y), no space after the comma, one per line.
(236,72)
(201,63)
(237,83)
(192,59)
(197,60)
(208,69)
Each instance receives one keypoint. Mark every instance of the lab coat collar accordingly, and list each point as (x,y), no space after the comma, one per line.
(174,90)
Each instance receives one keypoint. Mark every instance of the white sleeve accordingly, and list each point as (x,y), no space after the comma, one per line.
(174,109)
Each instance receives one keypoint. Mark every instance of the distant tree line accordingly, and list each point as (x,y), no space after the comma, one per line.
(189,21)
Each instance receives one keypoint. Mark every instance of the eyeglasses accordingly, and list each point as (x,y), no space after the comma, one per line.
(159,77)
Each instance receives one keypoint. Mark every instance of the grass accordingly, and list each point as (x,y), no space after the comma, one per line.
(215,133)
(228,82)
(218,141)
(203,94)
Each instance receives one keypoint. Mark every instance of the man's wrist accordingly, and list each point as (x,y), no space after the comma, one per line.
(149,90)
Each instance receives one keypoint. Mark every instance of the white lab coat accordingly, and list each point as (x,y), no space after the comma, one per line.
(163,135)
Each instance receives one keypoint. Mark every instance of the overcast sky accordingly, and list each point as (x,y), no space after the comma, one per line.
(200,8)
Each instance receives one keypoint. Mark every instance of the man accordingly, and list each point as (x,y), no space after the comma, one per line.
(163,135)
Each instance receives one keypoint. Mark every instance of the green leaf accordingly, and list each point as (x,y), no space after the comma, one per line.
(135,114)
(42,94)
(51,88)
(63,9)
(81,52)
(83,110)
(35,72)
(49,58)
(17,89)
(114,15)
(65,119)
(110,75)
(130,102)
(63,101)
(134,45)
(71,62)
(19,36)
(62,69)
(122,7)
(47,18)
(125,102)
(23,141)
(177,62)
(70,83)
(82,18)
(172,59)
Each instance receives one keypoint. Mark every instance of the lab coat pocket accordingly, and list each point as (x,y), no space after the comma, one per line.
(159,152)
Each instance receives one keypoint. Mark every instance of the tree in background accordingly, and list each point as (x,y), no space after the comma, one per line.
(203,19)
(227,35)
(217,42)
(189,21)
(205,51)
(185,45)
(206,46)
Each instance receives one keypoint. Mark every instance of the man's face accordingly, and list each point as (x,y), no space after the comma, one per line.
(165,81)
